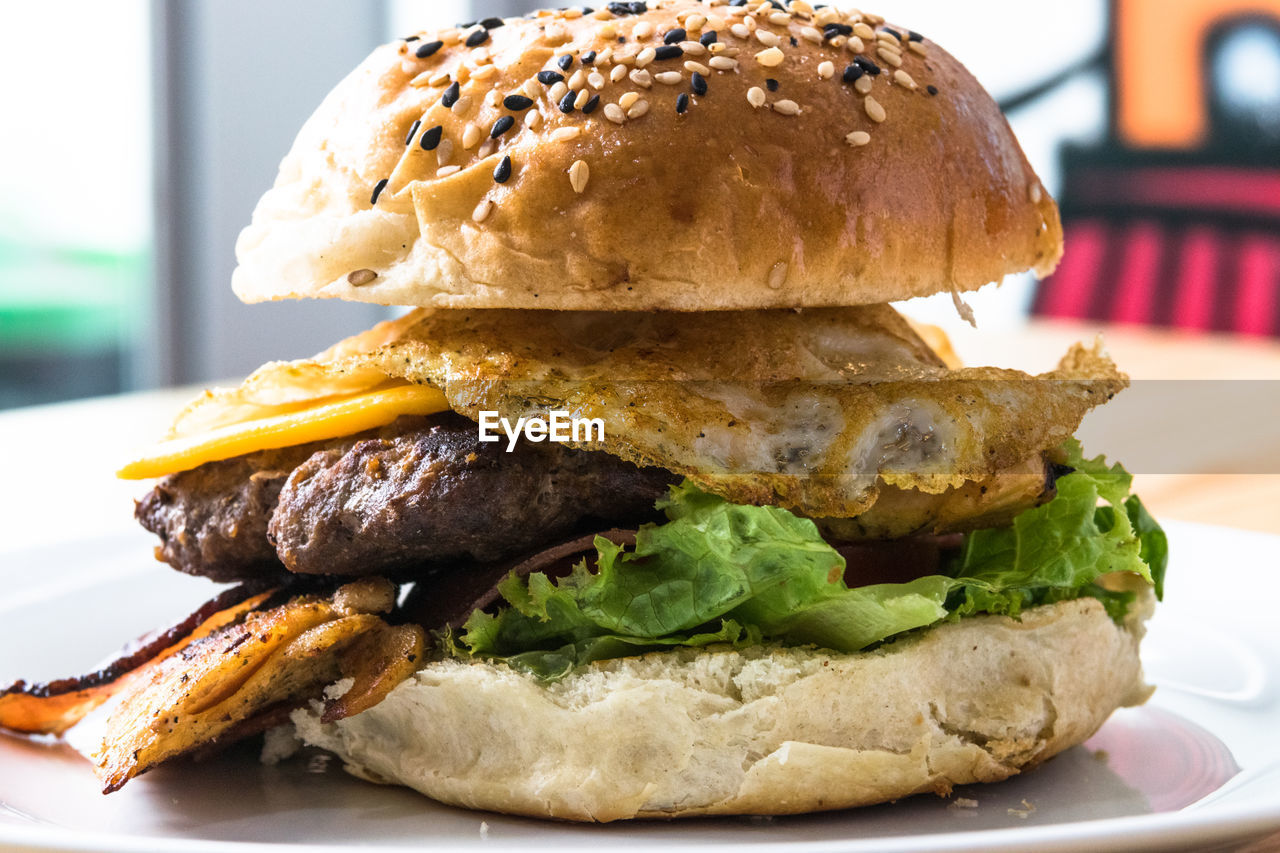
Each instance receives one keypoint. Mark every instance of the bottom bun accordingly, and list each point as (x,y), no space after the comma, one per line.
(764,730)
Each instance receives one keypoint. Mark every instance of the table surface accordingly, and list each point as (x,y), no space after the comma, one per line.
(1221,465)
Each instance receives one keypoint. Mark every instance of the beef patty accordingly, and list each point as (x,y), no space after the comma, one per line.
(401,501)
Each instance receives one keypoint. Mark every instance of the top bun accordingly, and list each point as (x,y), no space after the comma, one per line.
(818,158)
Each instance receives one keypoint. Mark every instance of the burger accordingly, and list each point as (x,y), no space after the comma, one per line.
(652,505)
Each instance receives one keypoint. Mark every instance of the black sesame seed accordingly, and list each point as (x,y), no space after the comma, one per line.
(682,103)
(622,9)
(708,38)
(588,57)
(413,131)
(737,2)
(431,138)
(794,43)
(867,65)
(517,103)
(832,30)
(477,38)
(550,78)
(450,96)
(410,39)
(427,48)
(914,36)
(587,10)
(377,190)
(775,4)
(893,33)
(698,84)
(932,90)
(491,23)
(503,173)
(772,84)
(668,51)
(852,73)
(674,36)
(565,62)
(501,126)
(468,25)
(590,106)
(566,103)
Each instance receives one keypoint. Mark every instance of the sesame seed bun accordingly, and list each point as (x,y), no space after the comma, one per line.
(765,730)
(818,159)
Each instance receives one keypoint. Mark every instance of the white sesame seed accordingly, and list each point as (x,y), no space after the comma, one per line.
(605,55)
(862,31)
(617,73)
(482,211)
(1035,193)
(778,275)
(829,15)
(596,80)
(780,18)
(532,89)
(770,58)
(902,78)
(555,34)
(564,134)
(762,7)
(730,51)
(863,84)
(694,22)
(422,79)
(463,105)
(874,110)
(638,109)
(579,174)
(786,107)
(800,7)
(532,119)
(642,30)
(440,79)
(484,72)
(357,278)
(855,45)
(690,65)
(578,79)
(767,38)
(557,91)
(715,22)
(608,31)
(615,113)
(489,146)
(858,138)
(447,171)
(888,37)
(723,63)
(471,136)
(811,34)
(628,99)
(581,100)
(892,58)
(669,78)
(444,151)
(571,14)
(756,97)
(917,47)
(645,56)
(740,30)
(750,23)
(641,78)
(826,70)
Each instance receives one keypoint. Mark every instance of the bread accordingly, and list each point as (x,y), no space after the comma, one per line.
(765,730)
(727,205)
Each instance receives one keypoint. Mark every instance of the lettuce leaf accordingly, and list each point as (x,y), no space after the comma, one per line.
(718,572)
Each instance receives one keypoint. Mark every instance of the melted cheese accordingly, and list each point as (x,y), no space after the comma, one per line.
(323,419)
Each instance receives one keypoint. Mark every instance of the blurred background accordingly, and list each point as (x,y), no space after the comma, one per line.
(131,164)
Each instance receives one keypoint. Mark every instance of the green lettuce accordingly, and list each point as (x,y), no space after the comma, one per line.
(725,573)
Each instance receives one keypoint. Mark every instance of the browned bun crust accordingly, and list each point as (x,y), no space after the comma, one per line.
(725,206)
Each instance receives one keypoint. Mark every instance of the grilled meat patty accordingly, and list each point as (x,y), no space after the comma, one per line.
(403,501)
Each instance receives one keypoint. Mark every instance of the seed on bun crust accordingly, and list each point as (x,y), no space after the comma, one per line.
(675,155)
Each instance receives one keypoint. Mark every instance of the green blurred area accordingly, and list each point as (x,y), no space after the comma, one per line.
(67,317)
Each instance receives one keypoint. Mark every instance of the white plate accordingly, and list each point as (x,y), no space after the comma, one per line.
(1198,765)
